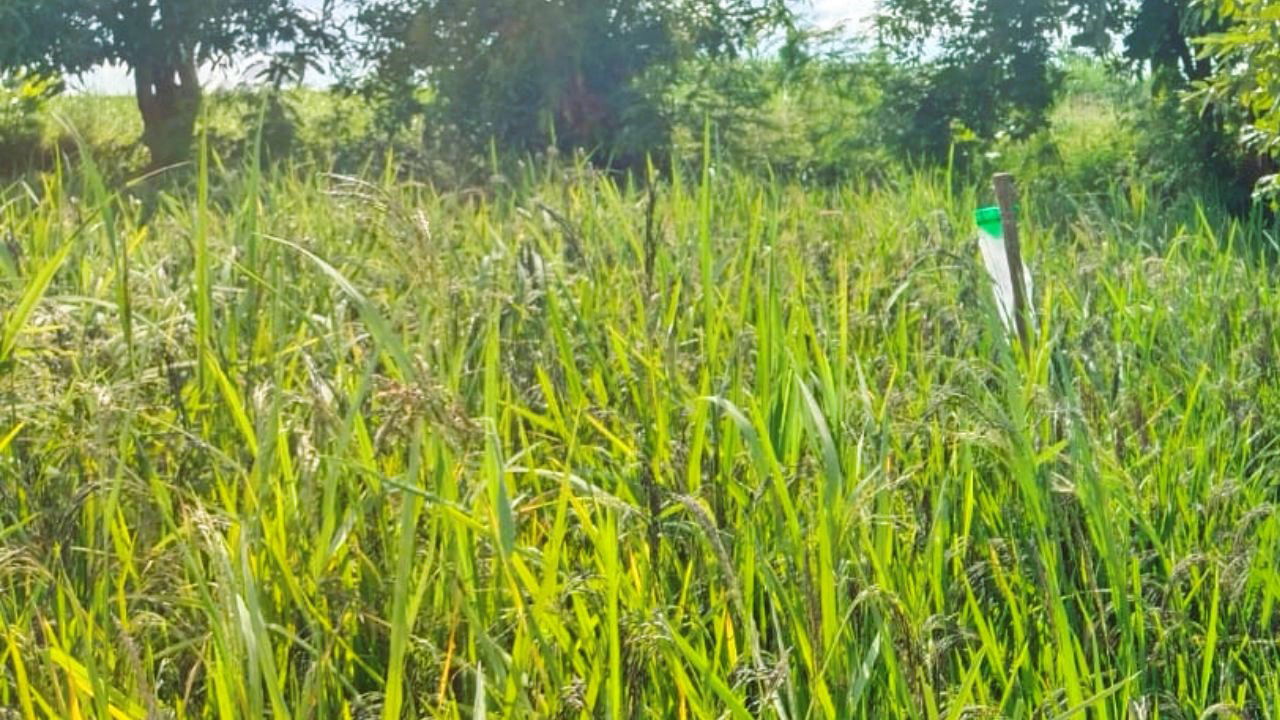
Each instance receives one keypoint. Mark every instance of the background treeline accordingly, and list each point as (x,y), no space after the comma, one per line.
(1077,95)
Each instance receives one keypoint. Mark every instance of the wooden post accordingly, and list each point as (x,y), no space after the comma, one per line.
(1005,198)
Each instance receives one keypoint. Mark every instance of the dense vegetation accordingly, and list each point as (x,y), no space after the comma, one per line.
(164,44)
(356,447)
(938,82)
(631,370)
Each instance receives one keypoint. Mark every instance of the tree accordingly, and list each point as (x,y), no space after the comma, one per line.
(162,42)
(1245,77)
(988,67)
(981,68)
(1162,34)
(586,73)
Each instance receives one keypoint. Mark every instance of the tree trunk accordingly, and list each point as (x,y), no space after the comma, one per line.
(168,94)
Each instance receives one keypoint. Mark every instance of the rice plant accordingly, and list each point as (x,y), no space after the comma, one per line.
(297,445)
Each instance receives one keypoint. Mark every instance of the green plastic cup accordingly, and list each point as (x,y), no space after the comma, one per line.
(988,219)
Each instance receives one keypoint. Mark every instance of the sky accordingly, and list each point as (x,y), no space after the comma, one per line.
(834,11)
(116,80)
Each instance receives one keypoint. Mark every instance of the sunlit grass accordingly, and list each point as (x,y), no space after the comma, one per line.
(357,448)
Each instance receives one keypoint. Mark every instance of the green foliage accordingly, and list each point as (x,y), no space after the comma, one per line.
(1193,143)
(1162,35)
(980,70)
(1196,150)
(73,36)
(734,448)
(813,119)
(1247,78)
(273,124)
(1111,131)
(1089,147)
(23,97)
(976,72)
(575,74)
(164,44)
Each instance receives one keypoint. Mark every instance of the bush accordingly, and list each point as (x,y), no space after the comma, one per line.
(575,74)
(1110,131)
(22,98)
(812,114)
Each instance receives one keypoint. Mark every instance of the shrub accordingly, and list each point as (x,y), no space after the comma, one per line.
(22,97)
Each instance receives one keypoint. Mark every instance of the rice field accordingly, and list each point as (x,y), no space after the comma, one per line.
(295,445)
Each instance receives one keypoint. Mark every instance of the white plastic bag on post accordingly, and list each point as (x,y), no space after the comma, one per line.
(994,258)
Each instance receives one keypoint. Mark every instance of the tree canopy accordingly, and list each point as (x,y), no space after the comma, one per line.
(579,73)
(1246,56)
(163,43)
(988,67)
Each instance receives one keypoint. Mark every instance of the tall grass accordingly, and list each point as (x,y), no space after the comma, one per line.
(321,447)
